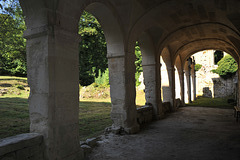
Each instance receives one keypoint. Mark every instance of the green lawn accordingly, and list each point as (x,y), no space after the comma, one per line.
(14,117)
(94,114)
(210,102)
(94,117)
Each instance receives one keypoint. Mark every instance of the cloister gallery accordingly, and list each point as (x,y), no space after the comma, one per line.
(168,32)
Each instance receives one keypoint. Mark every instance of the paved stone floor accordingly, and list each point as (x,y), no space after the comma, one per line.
(191,133)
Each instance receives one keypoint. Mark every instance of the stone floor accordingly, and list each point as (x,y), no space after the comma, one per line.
(191,133)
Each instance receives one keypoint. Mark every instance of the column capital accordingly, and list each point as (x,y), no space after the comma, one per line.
(32,33)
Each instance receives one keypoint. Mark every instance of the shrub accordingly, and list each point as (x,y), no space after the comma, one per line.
(21,87)
(102,79)
(197,67)
(227,67)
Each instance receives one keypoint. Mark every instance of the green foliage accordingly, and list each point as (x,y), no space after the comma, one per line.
(21,87)
(103,78)
(12,44)
(227,67)
(197,67)
(93,53)
(138,63)
(92,49)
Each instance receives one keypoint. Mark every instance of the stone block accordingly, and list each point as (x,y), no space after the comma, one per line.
(92,142)
(15,143)
(9,156)
(86,149)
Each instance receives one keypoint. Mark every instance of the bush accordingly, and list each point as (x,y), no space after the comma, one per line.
(102,79)
(227,67)
(197,67)
(21,87)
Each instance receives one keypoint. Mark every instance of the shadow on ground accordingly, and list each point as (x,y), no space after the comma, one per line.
(190,133)
(94,117)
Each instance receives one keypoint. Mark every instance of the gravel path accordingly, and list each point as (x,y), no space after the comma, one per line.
(191,133)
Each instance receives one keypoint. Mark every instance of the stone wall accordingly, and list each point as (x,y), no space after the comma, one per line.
(210,84)
(24,146)
(223,88)
(144,114)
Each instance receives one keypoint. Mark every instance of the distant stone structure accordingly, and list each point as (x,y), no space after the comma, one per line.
(209,84)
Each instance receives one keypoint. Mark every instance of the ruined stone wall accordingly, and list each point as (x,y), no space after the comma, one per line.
(210,84)
(144,114)
(24,146)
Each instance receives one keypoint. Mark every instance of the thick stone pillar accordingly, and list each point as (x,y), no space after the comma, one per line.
(152,90)
(122,90)
(151,72)
(186,87)
(177,85)
(166,81)
(189,79)
(52,56)
(194,89)
(158,88)
(174,107)
(182,81)
(171,94)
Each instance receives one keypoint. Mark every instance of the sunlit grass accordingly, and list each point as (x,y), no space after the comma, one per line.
(94,114)
(16,86)
(14,116)
(210,102)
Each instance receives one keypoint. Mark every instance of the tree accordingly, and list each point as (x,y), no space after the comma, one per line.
(12,44)
(227,67)
(138,63)
(92,49)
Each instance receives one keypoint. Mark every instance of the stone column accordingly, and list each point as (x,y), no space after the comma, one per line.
(122,90)
(189,81)
(194,81)
(152,90)
(174,107)
(52,56)
(182,87)
(171,76)
(158,86)
(186,87)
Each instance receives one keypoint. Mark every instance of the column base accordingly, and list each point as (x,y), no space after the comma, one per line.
(132,130)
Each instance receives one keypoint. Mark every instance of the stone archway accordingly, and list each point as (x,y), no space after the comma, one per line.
(52,47)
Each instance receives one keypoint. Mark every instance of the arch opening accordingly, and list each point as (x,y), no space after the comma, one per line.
(95,106)
(209,80)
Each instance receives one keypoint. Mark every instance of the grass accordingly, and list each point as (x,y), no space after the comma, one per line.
(14,116)
(210,102)
(94,117)
(94,113)
(16,86)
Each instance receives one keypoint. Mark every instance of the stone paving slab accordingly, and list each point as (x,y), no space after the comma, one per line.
(191,133)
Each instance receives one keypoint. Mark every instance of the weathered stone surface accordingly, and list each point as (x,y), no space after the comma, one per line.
(145,114)
(52,54)
(210,84)
(86,149)
(23,146)
(166,107)
(92,142)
